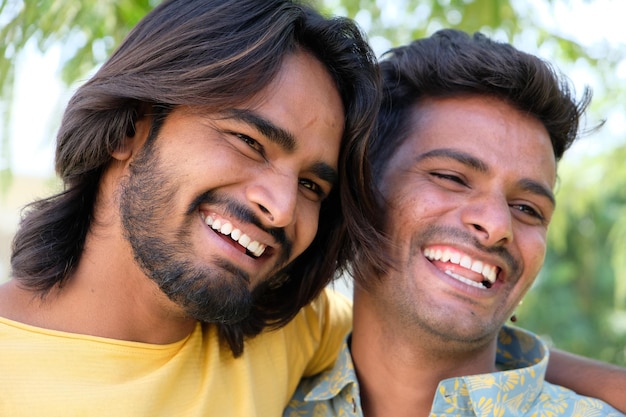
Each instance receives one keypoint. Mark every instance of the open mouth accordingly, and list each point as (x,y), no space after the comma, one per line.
(248,246)
(476,268)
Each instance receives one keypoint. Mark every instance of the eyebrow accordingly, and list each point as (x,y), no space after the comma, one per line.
(276,134)
(471,161)
(462,157)
(282,138)
(325,172)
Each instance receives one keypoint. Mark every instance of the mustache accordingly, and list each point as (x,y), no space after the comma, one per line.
(240,212)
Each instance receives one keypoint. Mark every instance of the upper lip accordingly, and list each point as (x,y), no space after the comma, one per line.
(240,234)
(488,269)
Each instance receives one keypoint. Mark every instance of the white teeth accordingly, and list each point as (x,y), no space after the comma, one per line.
(253,246)
(465,280)
(477,267)
(244,240)
(226,228)
(455,258)
(489,272)
(256,248)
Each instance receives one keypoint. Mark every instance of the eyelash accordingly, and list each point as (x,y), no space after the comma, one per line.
(526,209)
(313,186)
(250,142)
(449,177)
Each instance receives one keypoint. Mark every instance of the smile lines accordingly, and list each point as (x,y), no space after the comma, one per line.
(227,229)
(489,272)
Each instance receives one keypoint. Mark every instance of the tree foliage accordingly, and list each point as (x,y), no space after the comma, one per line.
(87,29)
(579,300)
(580,297)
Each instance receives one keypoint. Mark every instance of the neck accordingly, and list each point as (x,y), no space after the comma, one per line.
(399,367)
(101,298)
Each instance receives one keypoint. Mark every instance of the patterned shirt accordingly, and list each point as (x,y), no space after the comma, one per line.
(518,390)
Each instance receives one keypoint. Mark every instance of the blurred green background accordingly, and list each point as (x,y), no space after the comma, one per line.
(579,300)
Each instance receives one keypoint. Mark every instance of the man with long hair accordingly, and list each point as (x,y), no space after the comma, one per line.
(203,183)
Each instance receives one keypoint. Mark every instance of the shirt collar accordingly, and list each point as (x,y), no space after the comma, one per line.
(330,383)
(521,356)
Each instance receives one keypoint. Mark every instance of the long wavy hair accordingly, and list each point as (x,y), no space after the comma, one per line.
(213,54)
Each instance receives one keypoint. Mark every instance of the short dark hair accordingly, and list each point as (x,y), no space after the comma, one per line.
(213,54)
(451,63)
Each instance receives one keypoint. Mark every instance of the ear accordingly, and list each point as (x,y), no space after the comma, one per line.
(136,136)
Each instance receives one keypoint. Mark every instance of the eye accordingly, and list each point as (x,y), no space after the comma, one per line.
(529,211)
(314,189)
(250,142)
(449,177)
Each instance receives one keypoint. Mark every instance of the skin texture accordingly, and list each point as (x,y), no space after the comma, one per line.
(264,167)
(474,177)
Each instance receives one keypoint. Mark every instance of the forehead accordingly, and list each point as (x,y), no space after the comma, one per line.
(486,127)
(304,100)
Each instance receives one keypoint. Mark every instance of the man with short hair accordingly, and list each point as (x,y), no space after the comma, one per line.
(464,166)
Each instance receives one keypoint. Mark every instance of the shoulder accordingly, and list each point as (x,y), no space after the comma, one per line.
(330,393)
(565,402)
(330,311)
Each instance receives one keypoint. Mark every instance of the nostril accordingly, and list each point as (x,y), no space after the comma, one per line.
(266,212)
(482,230)
(479,228)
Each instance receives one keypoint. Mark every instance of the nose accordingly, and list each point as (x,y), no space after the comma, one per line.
(489,219)
(274,196)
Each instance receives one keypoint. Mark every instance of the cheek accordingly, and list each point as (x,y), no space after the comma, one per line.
(533,251)
(305,227)
(221,163)
(410,210)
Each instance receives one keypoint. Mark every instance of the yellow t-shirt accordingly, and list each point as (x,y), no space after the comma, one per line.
(51,373)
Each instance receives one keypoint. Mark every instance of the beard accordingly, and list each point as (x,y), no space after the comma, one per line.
(212,292)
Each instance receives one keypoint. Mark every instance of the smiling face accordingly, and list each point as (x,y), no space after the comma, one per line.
(469,196)
(218,203)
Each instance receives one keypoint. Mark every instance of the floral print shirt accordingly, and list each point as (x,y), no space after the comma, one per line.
(518,390)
